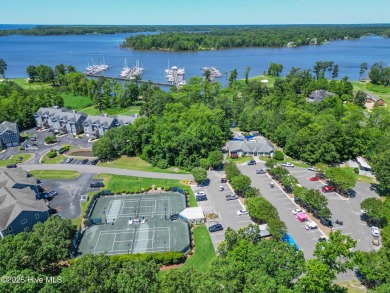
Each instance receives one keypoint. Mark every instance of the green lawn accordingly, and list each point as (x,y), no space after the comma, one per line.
(239,160)
(15,159)
(56,160)
(270,83)
(22,82)
(204,250)
(127,184)
(84,207)
(112,111)
(362,178)
(76,102)
(135,163)
(55,174)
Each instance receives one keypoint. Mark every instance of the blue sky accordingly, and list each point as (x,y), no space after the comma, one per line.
(131,12)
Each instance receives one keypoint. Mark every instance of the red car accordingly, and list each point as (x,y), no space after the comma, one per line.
(314,178)
(327,188)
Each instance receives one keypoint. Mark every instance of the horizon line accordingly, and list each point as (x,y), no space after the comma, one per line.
(79,24)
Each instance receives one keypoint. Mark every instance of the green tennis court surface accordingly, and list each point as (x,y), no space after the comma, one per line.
(136,224)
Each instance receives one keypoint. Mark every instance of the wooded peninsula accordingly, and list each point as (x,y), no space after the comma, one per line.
(206,37)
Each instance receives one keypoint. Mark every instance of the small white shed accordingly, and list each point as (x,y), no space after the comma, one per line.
(193,215)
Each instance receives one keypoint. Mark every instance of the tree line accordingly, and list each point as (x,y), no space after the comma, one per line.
(250,36)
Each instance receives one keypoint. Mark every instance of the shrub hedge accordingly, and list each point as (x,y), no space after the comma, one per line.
(164,258)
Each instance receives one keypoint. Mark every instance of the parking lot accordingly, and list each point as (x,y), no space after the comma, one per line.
(77,161)
(306,240)
(67,202)
(226,210)
(343,208)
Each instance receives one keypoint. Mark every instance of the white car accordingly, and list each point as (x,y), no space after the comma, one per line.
(200,193)
(312,168)
(287,164)
(242,212)
(375,231)
(296,211)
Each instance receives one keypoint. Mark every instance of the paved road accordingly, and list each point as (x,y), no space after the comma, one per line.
(226,210)
(97,169)
(306,240)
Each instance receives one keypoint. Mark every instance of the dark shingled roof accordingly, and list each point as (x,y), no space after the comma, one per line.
(318,95)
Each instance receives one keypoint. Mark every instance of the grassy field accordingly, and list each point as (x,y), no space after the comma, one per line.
(112,111)
(15,159)
(56,160)
(127,184)
(270,83)
(76,102)
(55,174)
(135,163)
(22,82)
(204,250)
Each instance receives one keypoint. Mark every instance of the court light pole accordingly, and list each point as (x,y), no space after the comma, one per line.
(91,247)
(128,248)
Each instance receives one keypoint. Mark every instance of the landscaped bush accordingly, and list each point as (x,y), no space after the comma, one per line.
(63,149)
(356,170)
(52,154)
(279,156)
(50,139)
(164,258)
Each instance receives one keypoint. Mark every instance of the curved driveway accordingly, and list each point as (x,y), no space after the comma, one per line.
(98,169)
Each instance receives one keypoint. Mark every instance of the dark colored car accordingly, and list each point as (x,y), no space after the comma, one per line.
(52,193)
(216,228)
(33,138)
(223,180)
(96,184)
(84,161)
(350,192)
(321,239)
(231,197)
(201,198)
(94,162)
(39,181)
(364,217)
(11,166)
(252,162)
(327,223)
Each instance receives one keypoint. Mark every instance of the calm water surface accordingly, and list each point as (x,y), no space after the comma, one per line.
(22,51)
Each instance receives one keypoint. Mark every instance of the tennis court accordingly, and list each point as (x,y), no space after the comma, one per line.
(137,224)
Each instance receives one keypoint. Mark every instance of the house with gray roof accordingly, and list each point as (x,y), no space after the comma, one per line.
(9,134)
(96,126)
(20,210)
(260,147)
(124,120)
(318,95)
(60,120)
(17,179)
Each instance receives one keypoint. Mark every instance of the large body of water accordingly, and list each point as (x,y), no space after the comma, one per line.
(79,50)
